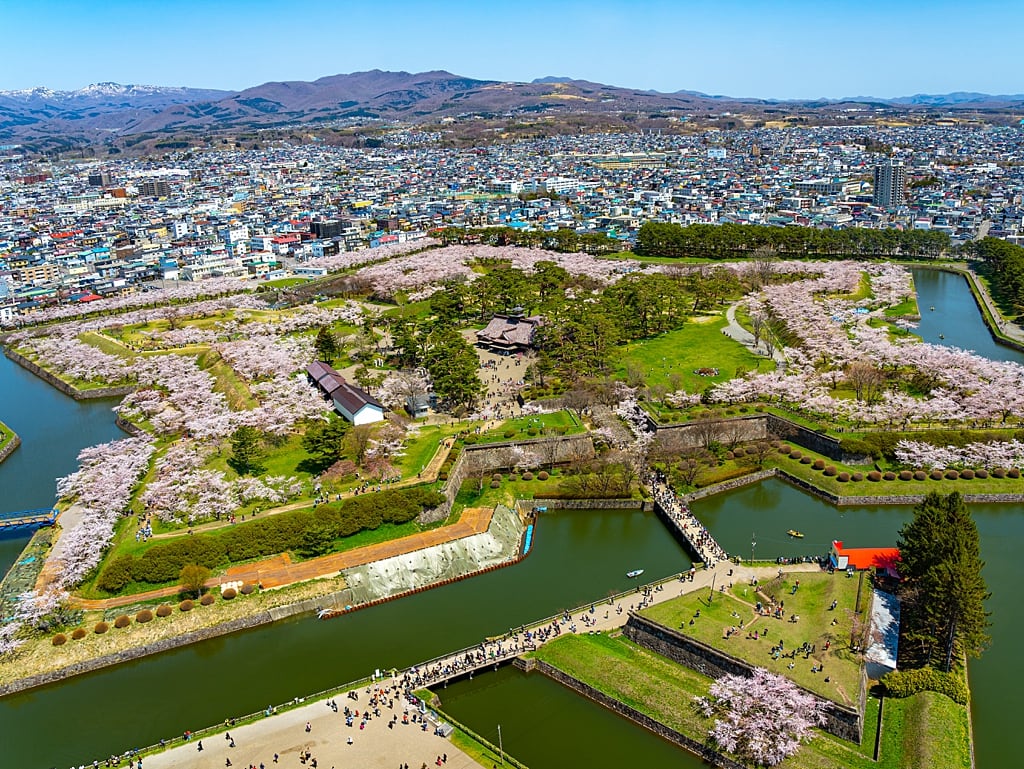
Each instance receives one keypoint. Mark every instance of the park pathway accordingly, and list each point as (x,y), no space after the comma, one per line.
(735,331)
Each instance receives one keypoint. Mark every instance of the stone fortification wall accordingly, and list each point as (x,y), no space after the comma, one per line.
(700,749)
(10,446)
(842,721)
(64,387)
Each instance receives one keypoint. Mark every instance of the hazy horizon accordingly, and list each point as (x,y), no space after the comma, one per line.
(789,49)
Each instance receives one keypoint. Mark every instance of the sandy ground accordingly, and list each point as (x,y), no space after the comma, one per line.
(374,747)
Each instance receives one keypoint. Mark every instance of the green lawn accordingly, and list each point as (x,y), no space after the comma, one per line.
(106,344)
(227,381)
(544,425)
(6,435)
(926,730)
(664,690)
(682,352)
(810,602)
(286,282)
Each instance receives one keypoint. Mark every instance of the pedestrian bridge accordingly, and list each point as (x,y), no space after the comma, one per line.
(28,519)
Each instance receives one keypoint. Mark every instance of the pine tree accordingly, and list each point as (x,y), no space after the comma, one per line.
(944,589)
(246,450)
(326,345)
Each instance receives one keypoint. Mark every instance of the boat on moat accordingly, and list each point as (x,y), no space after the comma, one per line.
(795,534)
(634,573)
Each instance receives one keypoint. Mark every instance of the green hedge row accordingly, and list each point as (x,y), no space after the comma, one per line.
(308,532)
(905,683)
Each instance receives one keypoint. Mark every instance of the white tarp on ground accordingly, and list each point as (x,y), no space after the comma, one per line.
(884,636)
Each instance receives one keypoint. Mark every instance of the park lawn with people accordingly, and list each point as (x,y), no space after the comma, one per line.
(671,360)
(532,426)
(715,620)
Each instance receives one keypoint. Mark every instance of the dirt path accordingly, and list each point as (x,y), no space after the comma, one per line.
(279,570)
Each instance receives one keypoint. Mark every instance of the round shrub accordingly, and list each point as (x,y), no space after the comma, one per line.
(186,605)
(443,475)
(730,412)
(527,476)
(819,464)
(785,448)
(228,594)
(543,475)
(744,409)
(495,484)
(247,588)
(144,616)
(163,611)
(967,474)
(829,471)
(122,622)
(936,474)
(496,477)
(471,439)
(805,460)
(857,477)
(1013,472)
(509,433)
(775,444)
(206,600)
(795,453)
(874,476)
(906,475)
(730,455)
(842,477)
(59,640)
(759,409)
(101,628)
(998,472)
(952,474)
(981,473)
(920,475)
(738,452)
(78,634)
(531,431)
(888,476)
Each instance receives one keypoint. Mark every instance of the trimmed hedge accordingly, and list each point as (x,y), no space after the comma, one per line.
(785,448)
(247,588)
(819,464)
(164,610)
(162,562)
(906,475)
(495,484)
(829,471)
(122,622)
(888,476)
(881,445)
(207,600)
(998,472)
(920,475)
(874,475)
(805,460)
(78,634)
(967,474)
(101,628)
(843,477)
(796,453)
(144,616)
(1013,472)
(952,474)
(186,605)
(936,474)
(527,476)
(543,475)
(857,477)
(228,593)
(905,683)
(60,639)
(981,473)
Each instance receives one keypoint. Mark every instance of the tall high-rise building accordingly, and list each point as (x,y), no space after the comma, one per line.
(890,184)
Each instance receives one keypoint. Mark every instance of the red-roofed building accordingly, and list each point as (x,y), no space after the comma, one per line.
(883,558)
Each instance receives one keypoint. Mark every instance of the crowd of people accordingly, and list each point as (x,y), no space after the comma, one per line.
(700,539)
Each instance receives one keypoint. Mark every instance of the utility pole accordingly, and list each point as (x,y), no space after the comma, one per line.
(711,597)
(501,749)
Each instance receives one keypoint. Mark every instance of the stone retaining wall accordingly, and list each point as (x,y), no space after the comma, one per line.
(841,720)
(64,387)
(589,504)
(10,446)
(733,483)
(700,749)
(891,499)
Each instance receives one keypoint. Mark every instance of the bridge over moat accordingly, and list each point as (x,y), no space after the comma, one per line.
(27,520)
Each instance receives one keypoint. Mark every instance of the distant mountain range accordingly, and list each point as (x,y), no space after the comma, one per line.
(46,118)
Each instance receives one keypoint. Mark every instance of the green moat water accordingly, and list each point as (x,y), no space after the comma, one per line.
(579,557)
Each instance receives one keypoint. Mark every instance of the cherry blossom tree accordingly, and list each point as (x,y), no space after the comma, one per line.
(762,718)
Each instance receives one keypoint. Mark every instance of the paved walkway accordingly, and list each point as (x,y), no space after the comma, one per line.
(279,570)
(735,331)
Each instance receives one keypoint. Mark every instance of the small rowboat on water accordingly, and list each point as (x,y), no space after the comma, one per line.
(795,534)
(634,573)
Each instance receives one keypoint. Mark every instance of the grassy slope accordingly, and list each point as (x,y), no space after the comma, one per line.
(694,346)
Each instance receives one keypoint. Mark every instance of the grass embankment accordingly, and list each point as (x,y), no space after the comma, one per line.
(673,358)
(533,427)
(39,655)
(926,730)
(810,603)
(6,435)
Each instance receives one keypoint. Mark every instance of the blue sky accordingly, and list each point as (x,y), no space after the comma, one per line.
(770,48)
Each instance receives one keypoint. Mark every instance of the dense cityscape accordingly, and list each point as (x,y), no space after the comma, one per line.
(77,231)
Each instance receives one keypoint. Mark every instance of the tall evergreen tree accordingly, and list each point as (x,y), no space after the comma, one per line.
(944,589)
(326,345)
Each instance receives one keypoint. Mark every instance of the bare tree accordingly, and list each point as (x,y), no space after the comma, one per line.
(867,381)
(708,430)
(690,465)
(758,451)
